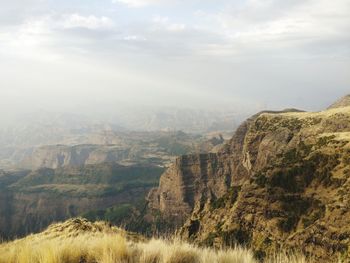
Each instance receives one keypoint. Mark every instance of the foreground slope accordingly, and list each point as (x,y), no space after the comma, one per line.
(80,241)
(282,181)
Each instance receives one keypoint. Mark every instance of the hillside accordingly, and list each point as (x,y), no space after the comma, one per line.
(80,241)
(342,102)
(282,181)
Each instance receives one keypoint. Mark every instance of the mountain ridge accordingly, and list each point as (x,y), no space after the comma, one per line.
(342,102)
(272,185)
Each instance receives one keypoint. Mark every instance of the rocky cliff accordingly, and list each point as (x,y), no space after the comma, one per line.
(282,181)
(158,148)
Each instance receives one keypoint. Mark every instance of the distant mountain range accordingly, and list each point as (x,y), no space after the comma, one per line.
(47,128)
(44,139)
(186,119)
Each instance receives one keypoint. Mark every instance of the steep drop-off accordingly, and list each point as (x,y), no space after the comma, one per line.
(283,181)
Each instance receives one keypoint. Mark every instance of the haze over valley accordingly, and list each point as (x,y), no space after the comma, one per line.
(170,131)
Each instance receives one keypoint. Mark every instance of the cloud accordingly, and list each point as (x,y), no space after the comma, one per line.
(47,37)
(89,22)
(164,23)
(240,30)
(160,19)
(30,40)
(176,27)
(227,49)
(275,26)
(137,3)
(134,38)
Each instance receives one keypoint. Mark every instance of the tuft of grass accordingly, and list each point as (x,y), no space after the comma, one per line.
(287,257)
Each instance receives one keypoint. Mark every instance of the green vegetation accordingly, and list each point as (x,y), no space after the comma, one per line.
(131,216)
(317,213)
(9,178)
(236,236)
(294,207)
(230,197)
(116,214)
(299,167)
(323,141)
(275,122)
(260,179)
(229,238)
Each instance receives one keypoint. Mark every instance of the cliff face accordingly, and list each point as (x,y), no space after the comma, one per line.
(25,213)
(189,180)
(282,181)
(159,148)
(193,179)
(31,200)
(61,155)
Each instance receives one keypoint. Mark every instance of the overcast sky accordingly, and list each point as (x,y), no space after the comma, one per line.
(87,54)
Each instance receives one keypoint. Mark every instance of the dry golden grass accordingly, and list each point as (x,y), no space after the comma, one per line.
(325,113)
(79,241)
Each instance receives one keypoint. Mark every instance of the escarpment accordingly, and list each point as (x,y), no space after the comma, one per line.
(193,179)
(31,200)
(281,182)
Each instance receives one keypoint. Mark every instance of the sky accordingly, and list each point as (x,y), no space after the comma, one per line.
(86,55)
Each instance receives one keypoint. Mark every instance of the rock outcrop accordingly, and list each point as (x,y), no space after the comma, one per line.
(283,181)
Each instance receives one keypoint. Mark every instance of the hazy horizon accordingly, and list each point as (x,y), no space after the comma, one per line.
(105,56)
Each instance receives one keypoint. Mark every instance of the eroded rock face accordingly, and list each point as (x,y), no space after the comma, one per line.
(282,181)
(190,180)
(193,179)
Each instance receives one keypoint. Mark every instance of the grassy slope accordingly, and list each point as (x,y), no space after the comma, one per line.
(80,241)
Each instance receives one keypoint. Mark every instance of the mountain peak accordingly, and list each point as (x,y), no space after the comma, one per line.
(343,102)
